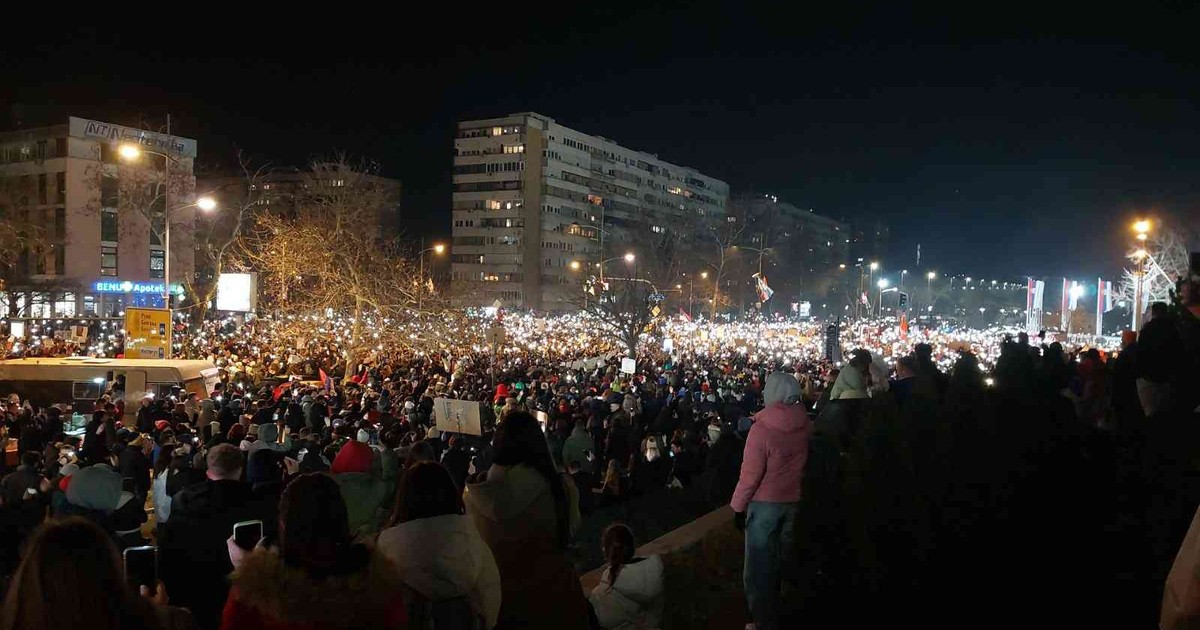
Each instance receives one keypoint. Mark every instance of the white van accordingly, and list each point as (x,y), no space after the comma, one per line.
(79,381)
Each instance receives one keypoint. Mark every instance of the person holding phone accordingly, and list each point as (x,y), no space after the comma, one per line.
(72,577)
(332,582)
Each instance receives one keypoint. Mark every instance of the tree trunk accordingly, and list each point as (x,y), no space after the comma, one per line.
(355,335)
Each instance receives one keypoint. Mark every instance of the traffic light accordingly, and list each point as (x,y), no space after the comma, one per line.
(903,302)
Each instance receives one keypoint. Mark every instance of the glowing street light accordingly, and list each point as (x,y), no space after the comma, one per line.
(1141,226)
(575,265)
(931,275)
(704,275)
(630,257)
(874,266)
(882,284)
(130,152)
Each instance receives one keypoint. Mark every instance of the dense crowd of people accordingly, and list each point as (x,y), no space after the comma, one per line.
(871,478)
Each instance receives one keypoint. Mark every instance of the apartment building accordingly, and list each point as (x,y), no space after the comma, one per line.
(83,214)
(538,206)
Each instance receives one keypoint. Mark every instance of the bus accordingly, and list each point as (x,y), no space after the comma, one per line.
(76,383)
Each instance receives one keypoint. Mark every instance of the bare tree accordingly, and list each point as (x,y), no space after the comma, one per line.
(720,253)
(623,310)
(219,235)
(22,233)
(1166,262)
(326,256)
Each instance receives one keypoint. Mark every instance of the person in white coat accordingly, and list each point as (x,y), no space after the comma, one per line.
(436,547)
(630,593)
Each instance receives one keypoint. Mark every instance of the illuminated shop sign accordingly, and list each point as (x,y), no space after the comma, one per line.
(128,286)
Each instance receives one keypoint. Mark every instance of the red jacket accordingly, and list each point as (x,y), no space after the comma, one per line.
(269,594)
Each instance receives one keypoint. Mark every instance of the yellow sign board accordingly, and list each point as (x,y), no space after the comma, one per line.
(147,333)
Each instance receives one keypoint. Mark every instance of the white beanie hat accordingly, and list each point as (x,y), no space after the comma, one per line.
(781,387)
(363,436)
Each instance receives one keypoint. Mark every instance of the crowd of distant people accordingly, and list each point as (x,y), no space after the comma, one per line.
(366,514)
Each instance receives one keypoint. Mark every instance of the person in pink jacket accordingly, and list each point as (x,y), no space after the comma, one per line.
(768,493)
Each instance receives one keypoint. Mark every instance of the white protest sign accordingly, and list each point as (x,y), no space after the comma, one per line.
(457,416)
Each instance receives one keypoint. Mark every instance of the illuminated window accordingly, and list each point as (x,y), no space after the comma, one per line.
(675,190)
(492,204)
(595,200)
(514,148)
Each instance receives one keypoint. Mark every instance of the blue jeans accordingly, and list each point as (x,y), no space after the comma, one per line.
(770,542)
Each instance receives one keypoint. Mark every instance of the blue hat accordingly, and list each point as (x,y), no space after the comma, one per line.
(743,426)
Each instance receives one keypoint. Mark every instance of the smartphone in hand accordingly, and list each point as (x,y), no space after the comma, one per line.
(247,534)
(141,567)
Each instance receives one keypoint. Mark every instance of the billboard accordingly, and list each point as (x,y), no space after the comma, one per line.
(237,292)
(147,333)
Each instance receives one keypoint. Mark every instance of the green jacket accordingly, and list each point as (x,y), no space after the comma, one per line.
(576,449)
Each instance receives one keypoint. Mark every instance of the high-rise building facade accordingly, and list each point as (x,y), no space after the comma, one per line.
(87,246)
(537,206)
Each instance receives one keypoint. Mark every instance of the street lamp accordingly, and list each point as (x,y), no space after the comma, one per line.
(437,248)
(575,265)
(882,284)
(929,288)
(130,152)
(1141,227)
(629,257)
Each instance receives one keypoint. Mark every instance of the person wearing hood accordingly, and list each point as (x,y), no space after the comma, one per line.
(724,463)
(268,438)
(436,549)
(318,577)
(630,593)
(767,496)
(526,509)
(367,479)
(851,383)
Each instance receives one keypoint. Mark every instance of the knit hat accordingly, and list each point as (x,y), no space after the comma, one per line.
(363,436)
(95,488)
(354,457)
(781,388)
(743,427)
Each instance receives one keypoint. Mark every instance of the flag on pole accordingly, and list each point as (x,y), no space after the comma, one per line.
(686,316)
(764,292)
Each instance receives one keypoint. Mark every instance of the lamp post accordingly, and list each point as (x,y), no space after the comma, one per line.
(629,257)
(882,284)
(130,152)
(437,249)
(929,289)
(1141,228)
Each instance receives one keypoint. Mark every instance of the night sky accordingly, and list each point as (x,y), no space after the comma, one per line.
(1006,139)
